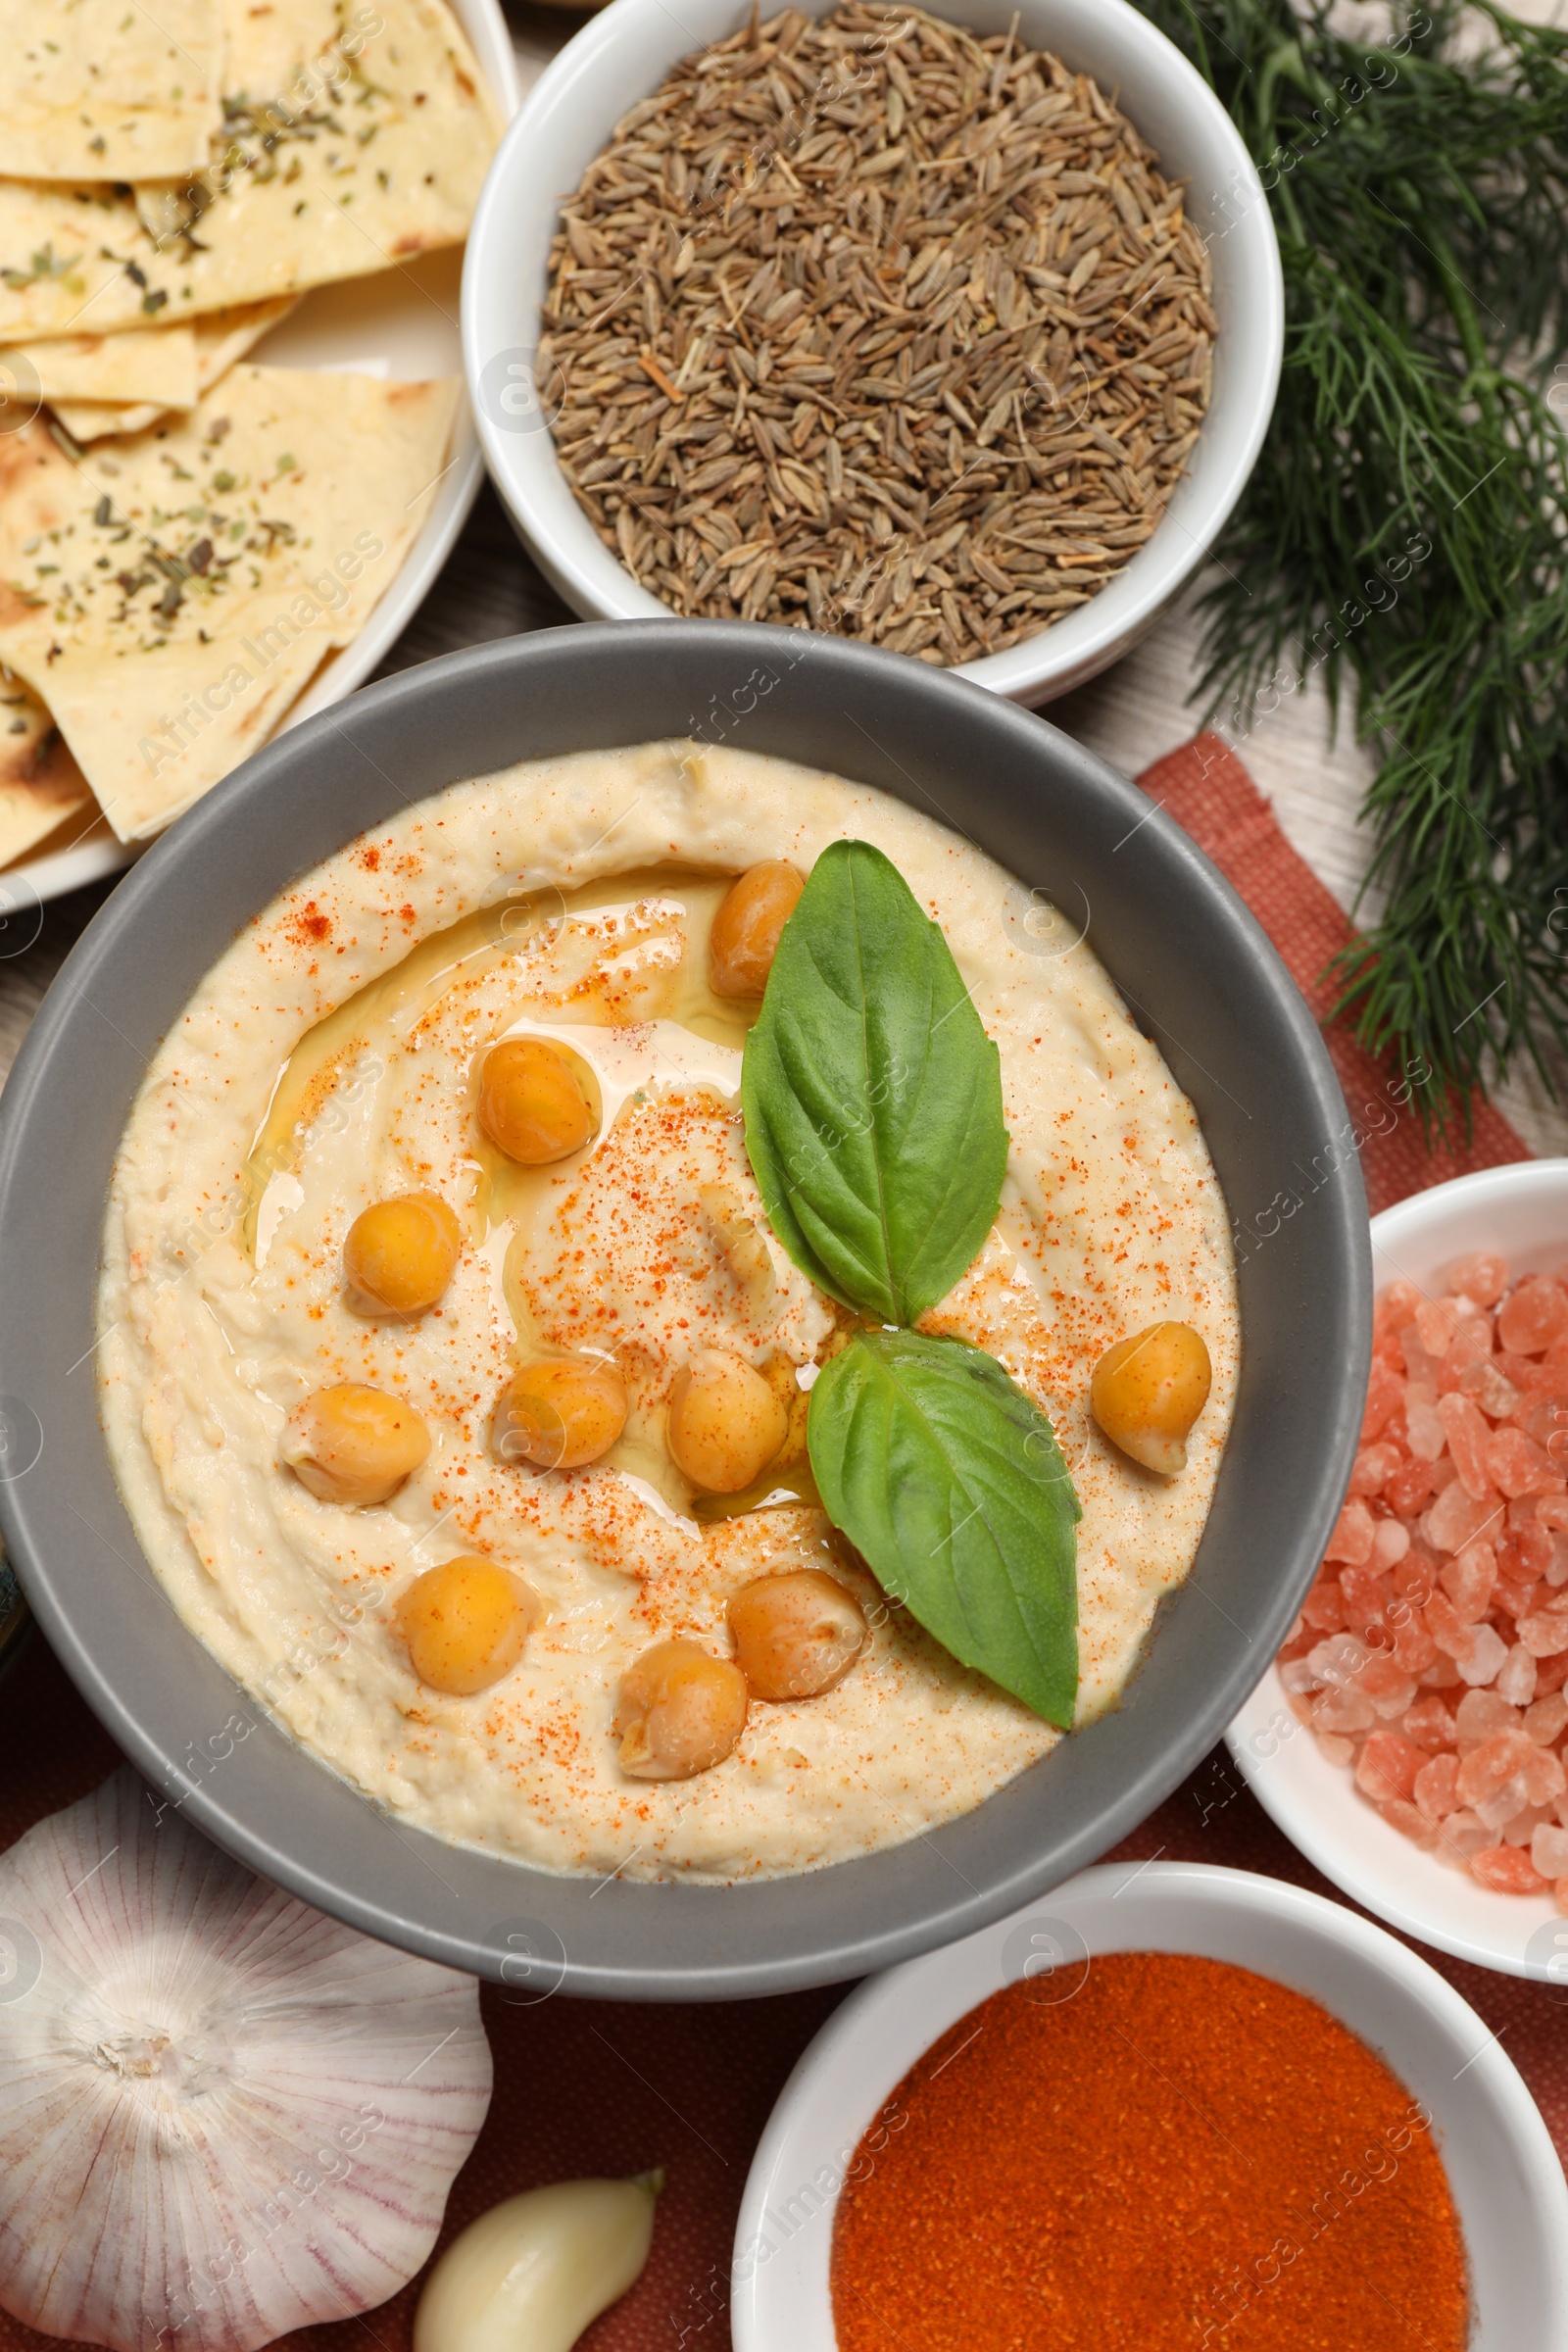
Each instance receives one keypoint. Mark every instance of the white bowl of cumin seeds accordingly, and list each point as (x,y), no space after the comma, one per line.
(957,333)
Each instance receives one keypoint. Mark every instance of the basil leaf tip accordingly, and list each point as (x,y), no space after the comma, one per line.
(949,1480)
(872,1095)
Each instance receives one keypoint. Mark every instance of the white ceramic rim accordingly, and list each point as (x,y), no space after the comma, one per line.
(570,552)
(799,2136)
(1317,1805)
(36,880)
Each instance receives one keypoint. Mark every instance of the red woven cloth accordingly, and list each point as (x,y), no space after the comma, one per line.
(593,2088)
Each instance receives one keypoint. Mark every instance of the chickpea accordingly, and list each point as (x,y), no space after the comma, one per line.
(400,1254)
(561,1415)
(354,1445)
(796,1635)
(744,940)
(464,1624)
(531,1103)
(725,1424)
(1148,1391)
(679,1710)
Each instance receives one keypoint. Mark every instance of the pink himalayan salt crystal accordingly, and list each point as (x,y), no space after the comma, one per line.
(1533,1316)
(1539,1781)
(1324,1605)
(1545,1419)
(1505,1805)
(1390,1690)
(1522,1828)
(1414,1575)
(1414,1482)
(1545,1718)
(1494,1764)
(1365,1595)
(1457,1517)
(1545,1634)
(1300,1678)
(1516,1677)
(1343,1711)
(1482,1715)
(1436,1322)
(1384,1397)
(1463,1834)
(1408,1819)
(1420,1365)
(1338,1659)
(1487,1388)
(1454,1635)
(1485,1658)
(1525,1548)
(1441,1675)
(1436,1786)
(1515,1463)
(1483,1276)
(1551,1512)
(1413,1649)
(1506,1869)
(1386,1766)
(1394,1307)
(1471,1344)
(1374,1464)
(1390,1540)
(1352,1539)
(1468,1579)
(1549,1851)
(1428,1724)
(1423,1423)
(1516,1598)
(1467,1431)
(1338,1750)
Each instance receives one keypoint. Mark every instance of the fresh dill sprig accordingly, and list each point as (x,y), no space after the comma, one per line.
(1406,529)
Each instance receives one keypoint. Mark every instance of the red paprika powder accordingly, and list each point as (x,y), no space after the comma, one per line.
(1162,2154)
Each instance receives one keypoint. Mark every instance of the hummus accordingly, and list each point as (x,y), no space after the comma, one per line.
(330,1061)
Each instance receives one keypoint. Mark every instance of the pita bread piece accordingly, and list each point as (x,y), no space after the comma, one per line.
(368,148)
(217,338)
(108,89)
(40,784)
(155,363)
(170,598)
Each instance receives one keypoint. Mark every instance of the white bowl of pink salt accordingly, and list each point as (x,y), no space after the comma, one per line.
(1411,1738)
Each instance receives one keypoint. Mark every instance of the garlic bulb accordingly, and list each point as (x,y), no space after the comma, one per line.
(531,2275)
(222,2116)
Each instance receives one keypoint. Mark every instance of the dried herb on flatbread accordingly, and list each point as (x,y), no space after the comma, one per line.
(106,89)
(169,600)
(343,149)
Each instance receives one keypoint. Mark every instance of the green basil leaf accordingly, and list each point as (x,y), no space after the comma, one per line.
(872,1095)
(949,1480)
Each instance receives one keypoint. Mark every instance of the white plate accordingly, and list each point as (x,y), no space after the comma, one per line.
(402,323)
(1522,1212)
(1502,2168)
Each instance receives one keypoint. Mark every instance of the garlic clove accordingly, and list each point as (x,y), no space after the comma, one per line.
(222,2115)
(531,2273)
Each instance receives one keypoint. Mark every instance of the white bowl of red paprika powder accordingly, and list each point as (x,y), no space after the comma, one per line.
(1168,2105)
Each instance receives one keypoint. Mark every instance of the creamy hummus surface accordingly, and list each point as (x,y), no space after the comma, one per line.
(330,1061)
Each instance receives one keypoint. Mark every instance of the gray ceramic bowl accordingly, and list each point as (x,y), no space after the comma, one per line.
(1197,972)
